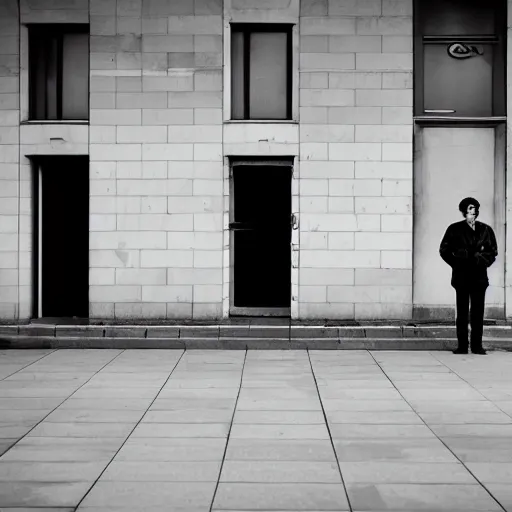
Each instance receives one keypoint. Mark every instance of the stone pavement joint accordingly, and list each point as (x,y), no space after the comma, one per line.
(263,430)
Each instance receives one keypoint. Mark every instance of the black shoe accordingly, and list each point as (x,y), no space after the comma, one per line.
(460,351)
(479,351)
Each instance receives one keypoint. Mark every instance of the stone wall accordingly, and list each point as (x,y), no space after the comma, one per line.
(356,159)
(156,159)
(9,161)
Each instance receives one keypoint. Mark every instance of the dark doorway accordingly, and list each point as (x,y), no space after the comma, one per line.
(261,247)
(63,237)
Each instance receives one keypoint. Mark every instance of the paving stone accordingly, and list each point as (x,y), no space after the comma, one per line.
(167,495)
(29,403)
(442,394)
(284,450)
(334,404)
(15,430)
(106,392)
(81,430)
(208,393)
(279,417)
(281,496)
(50,471)
(278,405)
(400,472)
(490,431)
(503,493)
(375,418)
(372,431)
(201,430)
(110,404)
(189,416)
(38,392)
(171,404)
(94,416)
(420,497)
(45,449)
(6,443)
(279,432)
(479,418)
(280,472)
(347,384)
(278,394)
(359,394)
(387,450)
(37,494)
(480,449)
(496,473)
(172,450)
(176,383)
(159,471)
(429,406)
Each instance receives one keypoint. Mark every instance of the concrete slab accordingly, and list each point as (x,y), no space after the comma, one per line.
(261,416)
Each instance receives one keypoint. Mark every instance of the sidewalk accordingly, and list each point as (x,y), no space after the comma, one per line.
(197,431)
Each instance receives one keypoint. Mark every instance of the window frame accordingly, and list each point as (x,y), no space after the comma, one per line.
(48,32)
(498,40)
(246,29)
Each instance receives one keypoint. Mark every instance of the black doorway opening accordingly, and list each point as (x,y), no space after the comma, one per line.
(62,234)
(261,244)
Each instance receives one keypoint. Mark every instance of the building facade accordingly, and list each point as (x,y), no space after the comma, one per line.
(178,159)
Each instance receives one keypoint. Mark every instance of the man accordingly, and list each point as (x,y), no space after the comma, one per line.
(469,247)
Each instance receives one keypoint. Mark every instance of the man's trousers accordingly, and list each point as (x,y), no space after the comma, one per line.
(476,295)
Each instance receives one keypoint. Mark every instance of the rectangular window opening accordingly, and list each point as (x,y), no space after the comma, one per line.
(58,72)
(261,76)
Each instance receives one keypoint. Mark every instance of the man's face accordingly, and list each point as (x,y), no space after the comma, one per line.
(471,213)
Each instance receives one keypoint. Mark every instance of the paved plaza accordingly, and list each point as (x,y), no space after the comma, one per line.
(196,431)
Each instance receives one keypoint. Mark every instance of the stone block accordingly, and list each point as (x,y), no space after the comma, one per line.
(196,99)
(384,98)
(326,98)
(200,25)
(167,258)
(314,44)
(354,115)
(117,331)
(341,241)
(167,43)
(313,115)
(163,331)
(397,115)
(174,116)
(313,26)
(340,205)
(312,294)
(383,277)
(397,7)
(396,259)
(313,8)
(397,44)
(314,80)
(141,134)
(383,133)
(399,152)
(327,61)
(384,61)
(115,117)
(340,259)
(132,276)
(115,152)
(355,151)
(385,26)
(167,152)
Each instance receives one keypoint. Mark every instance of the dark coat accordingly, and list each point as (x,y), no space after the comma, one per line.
(469,252)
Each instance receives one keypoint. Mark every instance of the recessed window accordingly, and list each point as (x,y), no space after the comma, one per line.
(261,61)
(59,72)
(460,64)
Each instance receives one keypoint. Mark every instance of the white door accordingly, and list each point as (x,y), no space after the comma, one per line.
(451,164)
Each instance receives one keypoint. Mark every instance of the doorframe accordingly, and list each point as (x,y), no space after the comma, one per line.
(228,307)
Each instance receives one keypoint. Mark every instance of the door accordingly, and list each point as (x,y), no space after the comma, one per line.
(63,237)
(451,163)
(261,239)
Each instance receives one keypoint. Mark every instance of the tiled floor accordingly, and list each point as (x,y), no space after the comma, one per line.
(197,431)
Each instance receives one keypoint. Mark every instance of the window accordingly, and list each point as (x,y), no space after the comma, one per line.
(460,65)
(59,72)
(261,80)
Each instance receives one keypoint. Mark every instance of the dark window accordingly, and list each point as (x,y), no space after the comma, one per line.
(261,80)
(59,72)
(460,58)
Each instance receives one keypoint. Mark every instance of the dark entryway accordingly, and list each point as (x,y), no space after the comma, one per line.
(261,241)
(62,234)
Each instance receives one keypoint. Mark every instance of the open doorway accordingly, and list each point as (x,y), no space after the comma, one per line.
(261,223)
(62,237)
